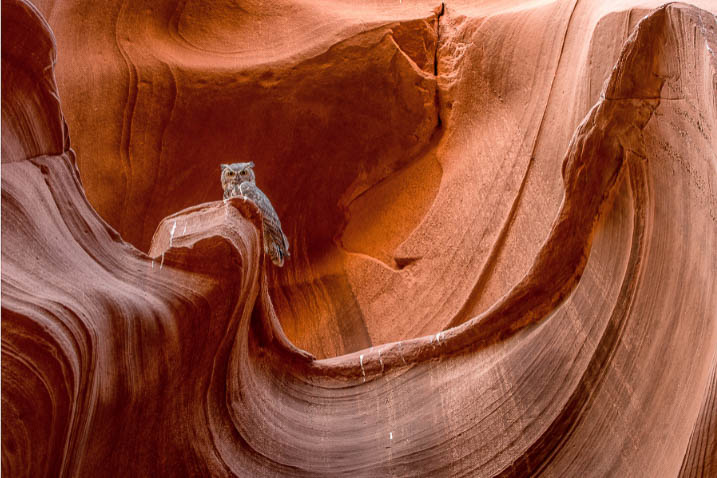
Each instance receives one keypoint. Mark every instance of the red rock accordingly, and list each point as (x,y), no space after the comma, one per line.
(502,224)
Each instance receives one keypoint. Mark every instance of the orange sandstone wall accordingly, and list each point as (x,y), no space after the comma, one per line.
(502,217)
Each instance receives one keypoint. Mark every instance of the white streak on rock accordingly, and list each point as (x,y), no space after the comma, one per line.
(171,233)
(363,372)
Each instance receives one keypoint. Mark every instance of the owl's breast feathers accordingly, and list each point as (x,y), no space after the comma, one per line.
(232,190)
(276,244)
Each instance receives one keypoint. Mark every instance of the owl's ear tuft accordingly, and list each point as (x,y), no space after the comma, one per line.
(224,166)
(251,164)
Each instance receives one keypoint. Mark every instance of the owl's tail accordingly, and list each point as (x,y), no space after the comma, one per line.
(278,252)
(285,250)
(277,255)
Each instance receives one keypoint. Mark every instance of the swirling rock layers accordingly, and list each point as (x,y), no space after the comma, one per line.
(571,305)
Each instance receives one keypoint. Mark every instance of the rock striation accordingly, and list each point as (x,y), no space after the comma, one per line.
(503,225)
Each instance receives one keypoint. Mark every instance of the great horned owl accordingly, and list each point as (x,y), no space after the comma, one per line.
(238,180)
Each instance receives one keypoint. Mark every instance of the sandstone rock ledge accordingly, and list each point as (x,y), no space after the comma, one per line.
(582,343)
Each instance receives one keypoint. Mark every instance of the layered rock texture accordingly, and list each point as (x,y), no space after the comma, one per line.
(502,217)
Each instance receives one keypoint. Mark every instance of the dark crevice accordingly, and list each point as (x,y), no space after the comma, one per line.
(439,121)
(438,37)
(402,262)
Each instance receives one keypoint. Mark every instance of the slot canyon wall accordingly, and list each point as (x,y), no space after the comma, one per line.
(502,218)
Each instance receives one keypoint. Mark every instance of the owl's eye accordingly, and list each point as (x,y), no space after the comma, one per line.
(230,173)
(243,173)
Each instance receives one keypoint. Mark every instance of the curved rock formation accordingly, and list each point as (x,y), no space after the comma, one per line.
(503,222)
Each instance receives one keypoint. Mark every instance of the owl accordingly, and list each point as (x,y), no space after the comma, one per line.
(238,180)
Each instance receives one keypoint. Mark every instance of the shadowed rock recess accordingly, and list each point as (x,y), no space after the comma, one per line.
(502,217)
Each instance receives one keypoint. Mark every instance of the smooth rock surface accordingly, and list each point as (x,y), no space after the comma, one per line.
(503,225)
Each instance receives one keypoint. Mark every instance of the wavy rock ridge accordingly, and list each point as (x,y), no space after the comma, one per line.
(513,274)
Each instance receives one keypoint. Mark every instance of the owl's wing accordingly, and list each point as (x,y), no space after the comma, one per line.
(275,242)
